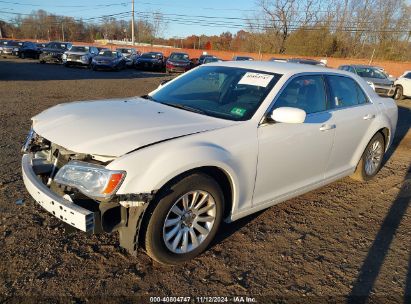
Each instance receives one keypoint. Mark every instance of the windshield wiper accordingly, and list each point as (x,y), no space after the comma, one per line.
(148,97)
(184,107)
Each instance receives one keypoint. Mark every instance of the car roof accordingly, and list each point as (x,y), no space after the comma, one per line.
(280,67)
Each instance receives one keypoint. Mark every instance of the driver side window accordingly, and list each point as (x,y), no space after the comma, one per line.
(304,92)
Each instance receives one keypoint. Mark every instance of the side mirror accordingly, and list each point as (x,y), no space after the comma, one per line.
(288,115)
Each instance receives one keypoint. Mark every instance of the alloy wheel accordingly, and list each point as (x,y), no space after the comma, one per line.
(189,221)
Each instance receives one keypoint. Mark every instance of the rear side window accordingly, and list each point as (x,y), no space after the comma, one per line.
(344,92)
(304,92)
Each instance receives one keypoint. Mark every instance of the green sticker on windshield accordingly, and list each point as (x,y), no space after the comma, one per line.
(238,111)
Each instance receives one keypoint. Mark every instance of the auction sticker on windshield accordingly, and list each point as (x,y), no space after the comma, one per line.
(256,79)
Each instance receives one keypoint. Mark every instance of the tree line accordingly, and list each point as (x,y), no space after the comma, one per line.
(321,28)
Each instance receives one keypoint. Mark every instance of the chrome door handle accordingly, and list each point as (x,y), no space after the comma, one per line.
(369,116)
(327,127)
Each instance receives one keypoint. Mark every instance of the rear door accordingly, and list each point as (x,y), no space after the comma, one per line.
(352,114)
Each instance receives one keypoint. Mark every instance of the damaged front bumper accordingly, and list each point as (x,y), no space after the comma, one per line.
(60,207)
(121,213)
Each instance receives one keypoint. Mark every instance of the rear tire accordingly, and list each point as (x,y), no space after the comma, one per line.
(398,95)
(371,160)
(173,238)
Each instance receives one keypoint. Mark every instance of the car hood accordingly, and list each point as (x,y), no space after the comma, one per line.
(379,81)
(53,50)
(117,126)
(178,61)
(147,59)
(76,53)
(105,58)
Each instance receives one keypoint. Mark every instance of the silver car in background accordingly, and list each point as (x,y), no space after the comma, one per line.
(377,79)
(130,55)
(79,55)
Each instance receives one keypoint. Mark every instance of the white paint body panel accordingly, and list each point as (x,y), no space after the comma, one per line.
(405,83)
(266,163)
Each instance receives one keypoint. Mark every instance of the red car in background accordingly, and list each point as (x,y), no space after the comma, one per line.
(178,63)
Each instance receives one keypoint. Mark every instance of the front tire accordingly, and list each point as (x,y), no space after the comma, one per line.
(371,160)
(399,93)
(184,219)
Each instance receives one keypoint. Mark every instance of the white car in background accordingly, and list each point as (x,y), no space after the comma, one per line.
(220,142)
(403,86)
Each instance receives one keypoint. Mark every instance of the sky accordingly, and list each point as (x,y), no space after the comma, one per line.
(232,11)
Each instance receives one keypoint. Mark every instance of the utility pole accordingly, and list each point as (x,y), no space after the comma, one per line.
(62,31)
(132,23)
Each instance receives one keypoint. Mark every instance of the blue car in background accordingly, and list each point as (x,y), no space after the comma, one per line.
(108,60)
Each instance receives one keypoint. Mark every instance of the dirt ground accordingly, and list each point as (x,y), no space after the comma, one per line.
(348,239)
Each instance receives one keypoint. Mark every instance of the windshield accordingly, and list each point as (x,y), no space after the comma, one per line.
(58,46)
(210,59)
(13,43)
(108,54)
(370,73)
(223,92)
(244,58)
(179,56)
(149,55)
(79,49)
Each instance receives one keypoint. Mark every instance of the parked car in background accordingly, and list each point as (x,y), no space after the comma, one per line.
(389,76)
(3,43)
(306,61)
(9,46)
(41,45)
(79,55)
(211,59)
(277,59)
(202,57)
(20,45)
(242,58)
(28,50)
(108,60)
(378,80)
(178,62)
(220,142)
(100,48)
(130,55)
(403,86)
(150,61)
(53,52)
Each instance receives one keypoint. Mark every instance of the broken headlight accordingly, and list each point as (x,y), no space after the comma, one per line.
(92,180)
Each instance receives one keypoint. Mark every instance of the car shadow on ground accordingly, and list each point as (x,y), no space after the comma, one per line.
(363,285)
(32,70)
(403,125)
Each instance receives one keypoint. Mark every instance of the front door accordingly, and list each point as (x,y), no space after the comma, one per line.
(294,156)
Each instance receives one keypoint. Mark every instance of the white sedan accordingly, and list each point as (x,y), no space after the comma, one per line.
(403,86)
(217,143)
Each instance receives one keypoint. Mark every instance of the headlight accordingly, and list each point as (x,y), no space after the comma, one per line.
(90,179)
(84,58)
(15,49)
(371,85)
(64,56)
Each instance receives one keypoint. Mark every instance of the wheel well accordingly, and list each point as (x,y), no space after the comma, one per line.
(219,175)
(386,134)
